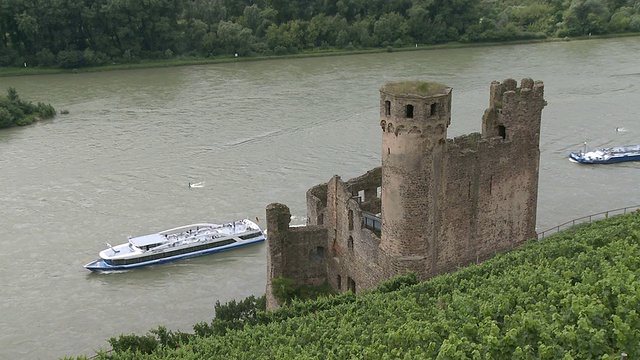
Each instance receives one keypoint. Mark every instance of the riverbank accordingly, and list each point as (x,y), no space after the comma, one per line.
(4,72)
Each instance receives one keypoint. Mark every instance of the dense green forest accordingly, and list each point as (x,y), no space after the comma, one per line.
(574,295)
(17,112)
(81,33)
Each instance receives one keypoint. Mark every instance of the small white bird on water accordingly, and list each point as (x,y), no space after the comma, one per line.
(197,185)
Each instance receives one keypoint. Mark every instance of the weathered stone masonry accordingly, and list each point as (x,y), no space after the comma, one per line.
(433,205)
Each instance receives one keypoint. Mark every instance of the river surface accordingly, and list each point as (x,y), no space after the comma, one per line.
(120,162)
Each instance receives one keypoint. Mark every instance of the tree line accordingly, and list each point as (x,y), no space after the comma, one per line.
(80,33)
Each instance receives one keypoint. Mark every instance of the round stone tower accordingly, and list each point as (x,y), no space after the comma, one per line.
(414,116)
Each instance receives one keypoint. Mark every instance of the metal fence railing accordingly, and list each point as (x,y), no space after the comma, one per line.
(371,221)
(587,219)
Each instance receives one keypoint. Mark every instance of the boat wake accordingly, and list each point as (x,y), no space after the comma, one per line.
(197,185)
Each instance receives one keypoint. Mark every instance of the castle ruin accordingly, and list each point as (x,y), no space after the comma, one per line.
(435,203)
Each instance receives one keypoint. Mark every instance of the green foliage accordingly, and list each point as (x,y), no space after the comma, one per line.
(127,32)
(574,295)
(284,289)
(415,87)
(134,344)
(15,112)
(397,283)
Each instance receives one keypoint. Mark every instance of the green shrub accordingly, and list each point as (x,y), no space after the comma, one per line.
(284,289)
(133,343)
(46,110)
(15,112)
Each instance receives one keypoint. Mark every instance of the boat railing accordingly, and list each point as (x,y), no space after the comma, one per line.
(587,219)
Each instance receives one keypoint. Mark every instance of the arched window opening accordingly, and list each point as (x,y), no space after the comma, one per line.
(351,285)
(409,111)
(350,243)
(432,109)
(319,253)
(387,108)
(502,131)
(350,219)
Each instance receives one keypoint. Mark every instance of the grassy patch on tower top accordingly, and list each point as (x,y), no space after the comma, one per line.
(423,88)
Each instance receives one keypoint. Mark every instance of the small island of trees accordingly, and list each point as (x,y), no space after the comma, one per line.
(16,112)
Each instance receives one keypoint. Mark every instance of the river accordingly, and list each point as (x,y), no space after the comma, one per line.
(120,161)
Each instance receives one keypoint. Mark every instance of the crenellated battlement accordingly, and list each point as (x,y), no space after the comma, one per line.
(508,91)
(514,111)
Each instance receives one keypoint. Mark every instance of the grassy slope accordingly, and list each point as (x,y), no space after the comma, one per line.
(571,296)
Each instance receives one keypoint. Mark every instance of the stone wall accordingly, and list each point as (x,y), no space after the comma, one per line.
(297,253)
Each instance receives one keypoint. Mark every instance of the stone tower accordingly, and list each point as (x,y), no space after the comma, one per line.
(414,117)
(514,116)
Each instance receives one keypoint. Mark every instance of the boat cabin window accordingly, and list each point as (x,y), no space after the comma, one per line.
(250,235)
(176,252)
(147,247)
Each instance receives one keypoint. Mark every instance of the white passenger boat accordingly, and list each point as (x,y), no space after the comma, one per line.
(177,243)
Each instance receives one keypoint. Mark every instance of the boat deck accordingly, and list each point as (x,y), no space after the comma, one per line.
(175,237)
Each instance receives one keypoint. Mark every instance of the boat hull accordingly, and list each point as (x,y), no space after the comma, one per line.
(101,265)
(579,158)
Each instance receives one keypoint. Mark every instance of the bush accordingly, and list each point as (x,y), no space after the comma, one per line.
(397,283)
(94,58)
(127,57)
(46,110)
(280,50)
(284,289)
(634,23)
(70,59)
(45,58)
(27,120)
(15,112)
(6,118)
(145,344)
(8,56)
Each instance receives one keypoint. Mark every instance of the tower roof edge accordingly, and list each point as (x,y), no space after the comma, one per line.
(415,88)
